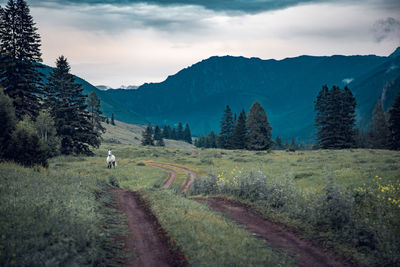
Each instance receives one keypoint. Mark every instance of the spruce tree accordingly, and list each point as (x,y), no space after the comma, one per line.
(94,107)
(166,132)
(19,58)
(226,132)
(259,130)
(187,135)
(380,135)
(173,134)
(179,132)
(335,118)
(158,136)
(239,137)
(112,119)
(72,120)
(148,136)
(394,123)
(278,143)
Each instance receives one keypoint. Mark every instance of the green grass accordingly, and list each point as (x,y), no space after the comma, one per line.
(45,197)
(207,238)
(50,218)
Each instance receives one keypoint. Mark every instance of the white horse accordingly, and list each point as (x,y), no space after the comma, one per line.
(111,160)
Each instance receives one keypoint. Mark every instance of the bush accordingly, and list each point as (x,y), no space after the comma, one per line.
(26,147)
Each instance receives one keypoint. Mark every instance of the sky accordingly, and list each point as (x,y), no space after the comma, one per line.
(130,42)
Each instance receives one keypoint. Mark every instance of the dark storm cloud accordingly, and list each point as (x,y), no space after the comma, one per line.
(388,28)
(242,6)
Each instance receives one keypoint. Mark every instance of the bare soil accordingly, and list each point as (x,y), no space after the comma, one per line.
(172,174)
(146,240)
(276,235)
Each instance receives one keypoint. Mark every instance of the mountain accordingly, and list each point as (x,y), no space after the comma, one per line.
(286,88)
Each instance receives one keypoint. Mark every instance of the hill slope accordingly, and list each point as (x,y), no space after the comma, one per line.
(286,88)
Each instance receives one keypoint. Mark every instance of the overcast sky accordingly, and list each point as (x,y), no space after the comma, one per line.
(129,42)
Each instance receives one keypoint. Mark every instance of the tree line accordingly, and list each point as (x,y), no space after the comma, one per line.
(334,121)
(252,131)
(41,117)
(156,135)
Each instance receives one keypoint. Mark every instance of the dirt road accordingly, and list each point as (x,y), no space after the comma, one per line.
(147,240)
(167,167)
(274,234)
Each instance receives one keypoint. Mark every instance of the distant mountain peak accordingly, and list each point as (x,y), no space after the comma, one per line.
(396,53)
(103,87)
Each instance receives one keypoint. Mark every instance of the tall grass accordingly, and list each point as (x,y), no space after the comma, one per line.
(366,218)
(206,237)
(53,219)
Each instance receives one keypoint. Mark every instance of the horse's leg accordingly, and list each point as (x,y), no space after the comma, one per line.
(114,164)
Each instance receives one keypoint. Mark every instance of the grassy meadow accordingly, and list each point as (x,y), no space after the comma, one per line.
(58,215)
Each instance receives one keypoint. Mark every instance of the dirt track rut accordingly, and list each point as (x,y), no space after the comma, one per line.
(274,234)
(146,239)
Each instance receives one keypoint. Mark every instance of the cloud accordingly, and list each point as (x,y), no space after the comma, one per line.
(240,6)
(388,28)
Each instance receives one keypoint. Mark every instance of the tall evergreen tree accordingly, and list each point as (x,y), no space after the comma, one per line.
(179,131)
(166,132)
(148,136)
(94,107)
(259,130)
(380,135)
(72,120)
(158,136)
(335,118)
(187,135)
(226,132)
(394,123)
(19,58)
(173,135)
(239,137)
(112,119)
(278,143)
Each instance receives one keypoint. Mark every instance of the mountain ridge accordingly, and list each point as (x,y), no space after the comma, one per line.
(286,88)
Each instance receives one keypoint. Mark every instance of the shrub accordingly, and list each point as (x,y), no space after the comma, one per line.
(25,146)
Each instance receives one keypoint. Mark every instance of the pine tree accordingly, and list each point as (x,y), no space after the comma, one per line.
(107,120)
(158,136)
(179,132)
(226,132)
(278,143)
(239,137)
(8,122)
(335,118)
(94,107)
(394,123)
(19,58)
(166,133)
(173,134)
(148,136)
(187,135)
(259,131)
(72,120)
(380,135)
(112,119)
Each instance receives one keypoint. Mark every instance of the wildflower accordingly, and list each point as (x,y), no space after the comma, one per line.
(3,236)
